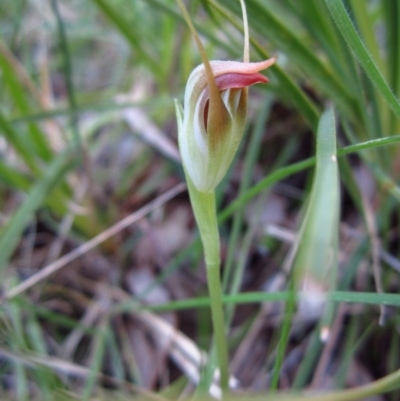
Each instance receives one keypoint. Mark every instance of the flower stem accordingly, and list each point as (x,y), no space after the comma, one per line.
(204,208)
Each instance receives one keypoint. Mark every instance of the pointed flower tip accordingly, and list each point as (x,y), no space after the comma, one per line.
(225,67)
(236,75)
(269,62)
(238,81)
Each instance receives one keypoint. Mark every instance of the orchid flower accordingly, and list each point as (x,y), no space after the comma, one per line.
(207,140)
(212,122)
(210,128)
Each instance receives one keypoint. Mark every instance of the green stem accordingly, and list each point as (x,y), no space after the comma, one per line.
(204,208)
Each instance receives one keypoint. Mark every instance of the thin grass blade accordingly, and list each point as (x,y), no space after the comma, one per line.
(354,41)
(126,30)
(12,233)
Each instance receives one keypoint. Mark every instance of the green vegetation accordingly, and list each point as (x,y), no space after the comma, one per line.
(103,286)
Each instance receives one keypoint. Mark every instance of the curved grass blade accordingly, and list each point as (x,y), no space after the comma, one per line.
(283,172)
(351,297)
(19,87)
(354,41)
(11,234)
(126,29)
(67,71)
(320,26)
(264,21)
(13,137)
(391,11)
(12,178)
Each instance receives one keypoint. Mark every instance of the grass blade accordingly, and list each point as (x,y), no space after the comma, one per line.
(67,70)
(264,21)
(19,86)
(125,28)
(354,41)
(315,261)
(367,298)
(12,233)
(391,9)
(15,139)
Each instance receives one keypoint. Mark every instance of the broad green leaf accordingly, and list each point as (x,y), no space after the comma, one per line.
(315,261)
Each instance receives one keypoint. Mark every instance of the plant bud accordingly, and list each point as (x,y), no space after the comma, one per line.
(210,127)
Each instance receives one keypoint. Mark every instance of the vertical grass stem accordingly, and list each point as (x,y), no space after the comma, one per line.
(204,207)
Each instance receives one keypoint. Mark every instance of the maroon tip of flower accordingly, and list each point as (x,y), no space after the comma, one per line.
(205,116)
(233,80)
